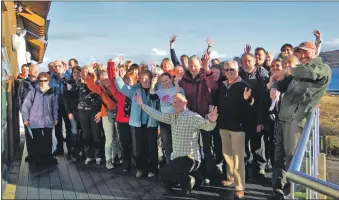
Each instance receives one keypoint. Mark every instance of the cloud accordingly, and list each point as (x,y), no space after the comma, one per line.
(332,42)
(46,59)
(158,52)
(76,35)
(215,54)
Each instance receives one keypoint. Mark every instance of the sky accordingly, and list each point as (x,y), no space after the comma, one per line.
(141,30)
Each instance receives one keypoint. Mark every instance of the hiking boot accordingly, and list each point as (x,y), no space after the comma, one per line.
(139,174)
(239,194)
(88,160)
(187,187)
(109,165)
(29,158)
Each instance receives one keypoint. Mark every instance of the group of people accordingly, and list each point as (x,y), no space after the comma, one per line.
(246,112)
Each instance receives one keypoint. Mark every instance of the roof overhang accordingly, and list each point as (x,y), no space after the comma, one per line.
(33,15)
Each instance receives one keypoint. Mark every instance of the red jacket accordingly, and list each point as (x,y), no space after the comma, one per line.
(121,117)
(198,91)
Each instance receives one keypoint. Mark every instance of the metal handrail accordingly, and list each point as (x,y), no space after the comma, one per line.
(310,181)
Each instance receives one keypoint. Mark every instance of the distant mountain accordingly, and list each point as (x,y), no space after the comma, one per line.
(331,58)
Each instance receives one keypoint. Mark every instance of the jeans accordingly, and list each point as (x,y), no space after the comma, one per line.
(255,140)
(112,142)
(90,133)
(166,138)
(62,115)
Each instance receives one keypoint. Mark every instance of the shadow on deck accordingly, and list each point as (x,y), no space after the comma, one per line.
(77,181)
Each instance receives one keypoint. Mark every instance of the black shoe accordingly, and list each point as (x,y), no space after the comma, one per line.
(126,169)
(188,186)
(278,196)
(29,158)
(206,182)
(58,152)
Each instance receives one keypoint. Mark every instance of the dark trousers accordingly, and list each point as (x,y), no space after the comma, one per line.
(208,162)
(75,136)
(90,133)
(257,148)
(178,170)
(166,138)
(269,141)
(42,144)
(29,142)
(62,115)
(146,148)
(217,146)
(125,135)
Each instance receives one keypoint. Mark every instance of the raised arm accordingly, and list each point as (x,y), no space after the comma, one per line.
(174,57)
(91,85)
(317,35)
(163,117)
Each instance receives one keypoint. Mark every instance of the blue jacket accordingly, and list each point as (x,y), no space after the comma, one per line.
(58,85)
(130,92)
(40,109)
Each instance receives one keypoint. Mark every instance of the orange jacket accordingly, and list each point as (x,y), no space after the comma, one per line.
(98,89)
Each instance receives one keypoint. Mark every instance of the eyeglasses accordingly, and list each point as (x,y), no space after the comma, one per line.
(229,70)
(43,81)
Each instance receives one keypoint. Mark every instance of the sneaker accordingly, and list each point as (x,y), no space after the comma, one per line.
(261,174)
(88,160)
(239,194)
(109,165)
(151,174)
(139,174)
(207,181)
(74,158)
(98,161)
(227,182)
(126,169)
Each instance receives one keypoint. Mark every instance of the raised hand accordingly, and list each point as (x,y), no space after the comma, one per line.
(120,59)
(173,38)
(213,115)
(317,35)
(247,49)
(138,99)
(97,117)
(116,72)
(176,81)
(90,69)
(154,81)
(247,93)
(274,93)
(209,42)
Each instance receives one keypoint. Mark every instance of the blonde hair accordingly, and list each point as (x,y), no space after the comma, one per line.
(83,79)
(292,59)
(232,63)
(128,63)
(181,96)
(165,61)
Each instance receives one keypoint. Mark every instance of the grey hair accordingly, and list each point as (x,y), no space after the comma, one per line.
(157,71)
(232,62)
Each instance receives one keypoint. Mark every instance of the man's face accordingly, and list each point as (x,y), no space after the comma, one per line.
(178,104)
(194,66)
(286,51)
(230,71)
(33,71)
(305,55)
(260,57)
(269,59)
(248,62)
(43,82)
(58,67)
(72,64)
(145,81)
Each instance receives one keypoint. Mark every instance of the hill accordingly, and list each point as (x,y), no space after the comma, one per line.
(331,58)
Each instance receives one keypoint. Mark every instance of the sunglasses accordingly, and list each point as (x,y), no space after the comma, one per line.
(229,70)
(43,81)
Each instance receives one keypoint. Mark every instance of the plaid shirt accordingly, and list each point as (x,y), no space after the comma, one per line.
(185,130)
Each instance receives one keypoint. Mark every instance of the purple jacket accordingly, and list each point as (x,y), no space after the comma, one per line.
(40,109)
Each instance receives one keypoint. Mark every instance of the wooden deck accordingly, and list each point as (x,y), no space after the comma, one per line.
(77,181)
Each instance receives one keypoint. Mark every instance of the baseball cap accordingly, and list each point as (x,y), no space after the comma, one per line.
(306,46)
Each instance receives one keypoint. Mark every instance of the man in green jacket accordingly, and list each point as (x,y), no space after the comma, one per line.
(303,87)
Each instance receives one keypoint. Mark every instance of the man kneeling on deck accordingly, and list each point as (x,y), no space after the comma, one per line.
(185,125)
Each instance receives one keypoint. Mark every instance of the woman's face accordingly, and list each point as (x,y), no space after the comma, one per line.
(128,81)
(145,81)
(84,73)
(179,71)
(122,72)
(166,66)
(275,67)
(76,75)
(166,82)
(215,73)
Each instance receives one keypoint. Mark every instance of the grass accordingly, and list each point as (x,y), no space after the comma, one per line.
(329,116)
(329,122)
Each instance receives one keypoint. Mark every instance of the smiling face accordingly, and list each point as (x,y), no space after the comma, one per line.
(194,66)
(179,102)
(215,73)
(179,71)
(58,67)
(276,66)
(248,63)
(231,70)
(166,81)
(260,57)
(145,81)
(76,75)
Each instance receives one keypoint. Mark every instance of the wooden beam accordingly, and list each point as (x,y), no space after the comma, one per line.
(36,19)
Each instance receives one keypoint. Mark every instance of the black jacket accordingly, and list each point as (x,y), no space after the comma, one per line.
(70,98)
(232,106)
(23,87)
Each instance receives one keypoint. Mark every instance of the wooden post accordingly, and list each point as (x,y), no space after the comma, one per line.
(322,171)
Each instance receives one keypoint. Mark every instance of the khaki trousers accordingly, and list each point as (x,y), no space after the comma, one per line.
(233,149)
